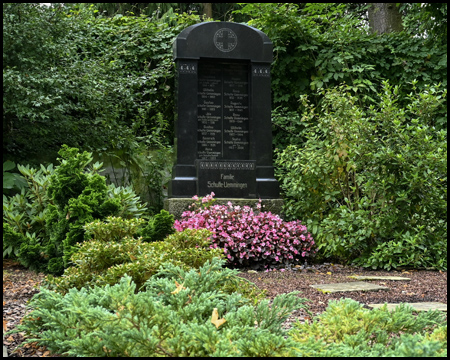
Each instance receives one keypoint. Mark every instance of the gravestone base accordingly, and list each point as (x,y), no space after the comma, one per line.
(176,206)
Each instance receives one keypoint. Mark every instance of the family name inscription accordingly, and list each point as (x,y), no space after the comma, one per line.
(223,137)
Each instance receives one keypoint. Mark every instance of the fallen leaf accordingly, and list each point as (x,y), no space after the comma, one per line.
(178,289)
(10,338)
(215,318)
(5,325)
(329,273)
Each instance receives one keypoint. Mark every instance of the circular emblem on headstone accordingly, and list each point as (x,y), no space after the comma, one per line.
(225,40)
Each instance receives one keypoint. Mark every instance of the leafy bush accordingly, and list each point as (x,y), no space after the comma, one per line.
(106,258)
(113,229)
(12,180)
(347,329)
(88,81)
(51,213)
(158,227)
(180,313)
(24,226)
(260,240)
(11,242)
(368,177)
(322,45)
(80,197)
(25,211)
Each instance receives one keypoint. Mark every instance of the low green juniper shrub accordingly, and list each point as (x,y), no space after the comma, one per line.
(347,329)
(260,240)
(178,313)
(186,312)
(77,205)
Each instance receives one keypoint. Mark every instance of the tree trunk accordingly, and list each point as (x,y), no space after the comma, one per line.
(207,10)
(384,18)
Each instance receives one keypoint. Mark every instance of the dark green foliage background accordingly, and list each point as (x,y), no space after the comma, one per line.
(104,80)
(97,83)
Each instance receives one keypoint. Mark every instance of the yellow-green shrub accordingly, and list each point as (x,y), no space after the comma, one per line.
(99,262)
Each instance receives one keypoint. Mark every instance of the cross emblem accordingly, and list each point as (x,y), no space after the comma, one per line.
(225,40)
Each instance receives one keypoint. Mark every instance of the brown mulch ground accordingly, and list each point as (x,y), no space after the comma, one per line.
(424,286)
(19,286)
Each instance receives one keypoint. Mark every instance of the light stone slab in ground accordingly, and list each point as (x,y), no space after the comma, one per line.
(5,351)
(347,287)
(396,278)
(425,306)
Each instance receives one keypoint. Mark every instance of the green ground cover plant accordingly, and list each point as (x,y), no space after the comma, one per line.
(347,329)
(181,312)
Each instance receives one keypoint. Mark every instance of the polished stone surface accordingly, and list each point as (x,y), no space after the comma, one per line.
(223,134)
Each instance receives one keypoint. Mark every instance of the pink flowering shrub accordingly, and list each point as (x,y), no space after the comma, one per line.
(247,238)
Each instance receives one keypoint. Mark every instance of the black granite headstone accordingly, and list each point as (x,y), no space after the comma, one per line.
(223,137)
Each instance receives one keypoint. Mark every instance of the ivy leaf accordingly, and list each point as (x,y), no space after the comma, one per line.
(215,318)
